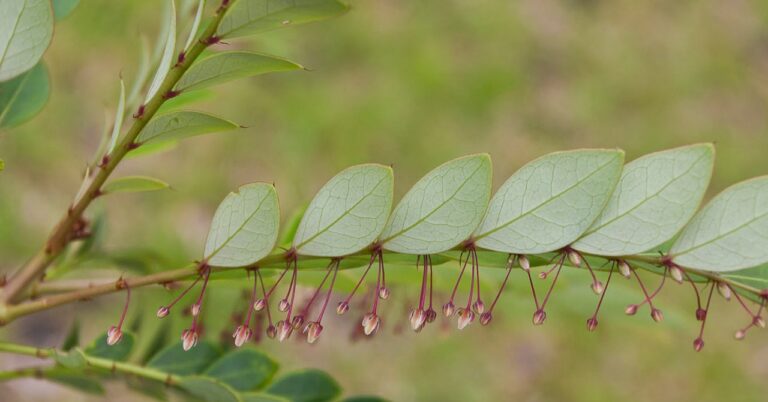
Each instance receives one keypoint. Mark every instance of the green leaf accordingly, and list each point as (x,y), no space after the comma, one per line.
(259,397)
(73,359)
(550,202)
(118,124)
(229,66)
(756,277)
(72,339)
(134,184)
(243,369)
(363,398)
(165,62)
(173,359)
(245,227)
(62,8)
(26,28)
(348,213)
(180,125)
(195,25)
(305,386)
(24,96)
(151,148)
(76,380)
(730,233)
(208,389)
(655,197)
(442,209)
(185,99)
(117,352)
(248,17)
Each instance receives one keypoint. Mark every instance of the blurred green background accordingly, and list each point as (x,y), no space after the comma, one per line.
(413,84)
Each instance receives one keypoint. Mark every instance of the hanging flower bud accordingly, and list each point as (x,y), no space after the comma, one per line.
(284,330)
(479,306)
(758,321)
(297,321)
(384,293)
(591,324)
(417,318)
(114,334)
(574,258)
(657,315)
(597,287)
(242,334)
(631,309)
(698,344)
(539,316)
(196,309)
(163,312)
(724,290)
(624,269)
(525,264)
(189,339)
(283,305)
(448,309)
(259,305)
(676,273)
(740,335)
(271,331)
(485,318)
(313,331)
(342,308)
(431,315)
(466,316)
(701,314)
(370,323)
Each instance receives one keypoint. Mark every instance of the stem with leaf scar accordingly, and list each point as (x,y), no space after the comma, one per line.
(65,230)
(90,290)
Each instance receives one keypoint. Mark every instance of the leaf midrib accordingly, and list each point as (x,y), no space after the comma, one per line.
(239,228)
(530,211)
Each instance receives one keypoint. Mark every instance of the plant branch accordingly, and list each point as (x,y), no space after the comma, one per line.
(63,232)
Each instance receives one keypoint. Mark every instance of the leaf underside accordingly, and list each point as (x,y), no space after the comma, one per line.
(26,28)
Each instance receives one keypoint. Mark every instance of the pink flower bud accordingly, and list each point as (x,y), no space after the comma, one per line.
(448,309)
(631,309)
(657,315)
(283,305)
(758,321)
(525,264)
(163,312)
(196,309)
(241,335)
(574,258)
(342,308)
(384,293)
(676,273)
(486,318)
(431,315)
(698,344)
(740,334)
(189,339)
(597,287)
(284,330)
(539,316)
(297,321)
(313,331)
(259,304)
(114,335)
(543,275)
(624,269)
(724,290)
(701,314)
(417,318)
(370,323)
(479,306)
(466,316)
(271,331)
(592,324)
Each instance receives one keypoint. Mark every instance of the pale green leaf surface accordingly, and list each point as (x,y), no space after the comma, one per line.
(208,389)
(151,148)
(248,17)
(348,213)
(168,51)
(134,184)
(305,386)
(550,202)
(655,197)
(245,226)
(195,25)
(228,66)
(730,232)
(442,209)
(182,124)
(26,28)
(24,96)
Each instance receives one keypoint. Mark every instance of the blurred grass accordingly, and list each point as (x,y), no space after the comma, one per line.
(414,84)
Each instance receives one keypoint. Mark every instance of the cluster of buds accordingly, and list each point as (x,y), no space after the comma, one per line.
(190,336)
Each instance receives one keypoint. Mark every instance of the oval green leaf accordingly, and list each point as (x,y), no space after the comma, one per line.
(730,233)
(243,369)
(442,209)
(305,386)
(134,184)
(248,17)
(208,389)
(26,28)
(245,227)
(550,202)
(183,124)
(348,213)
(656,196)
(24,96)
(117,352)
(227,66)
(173,359)
(260,397)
